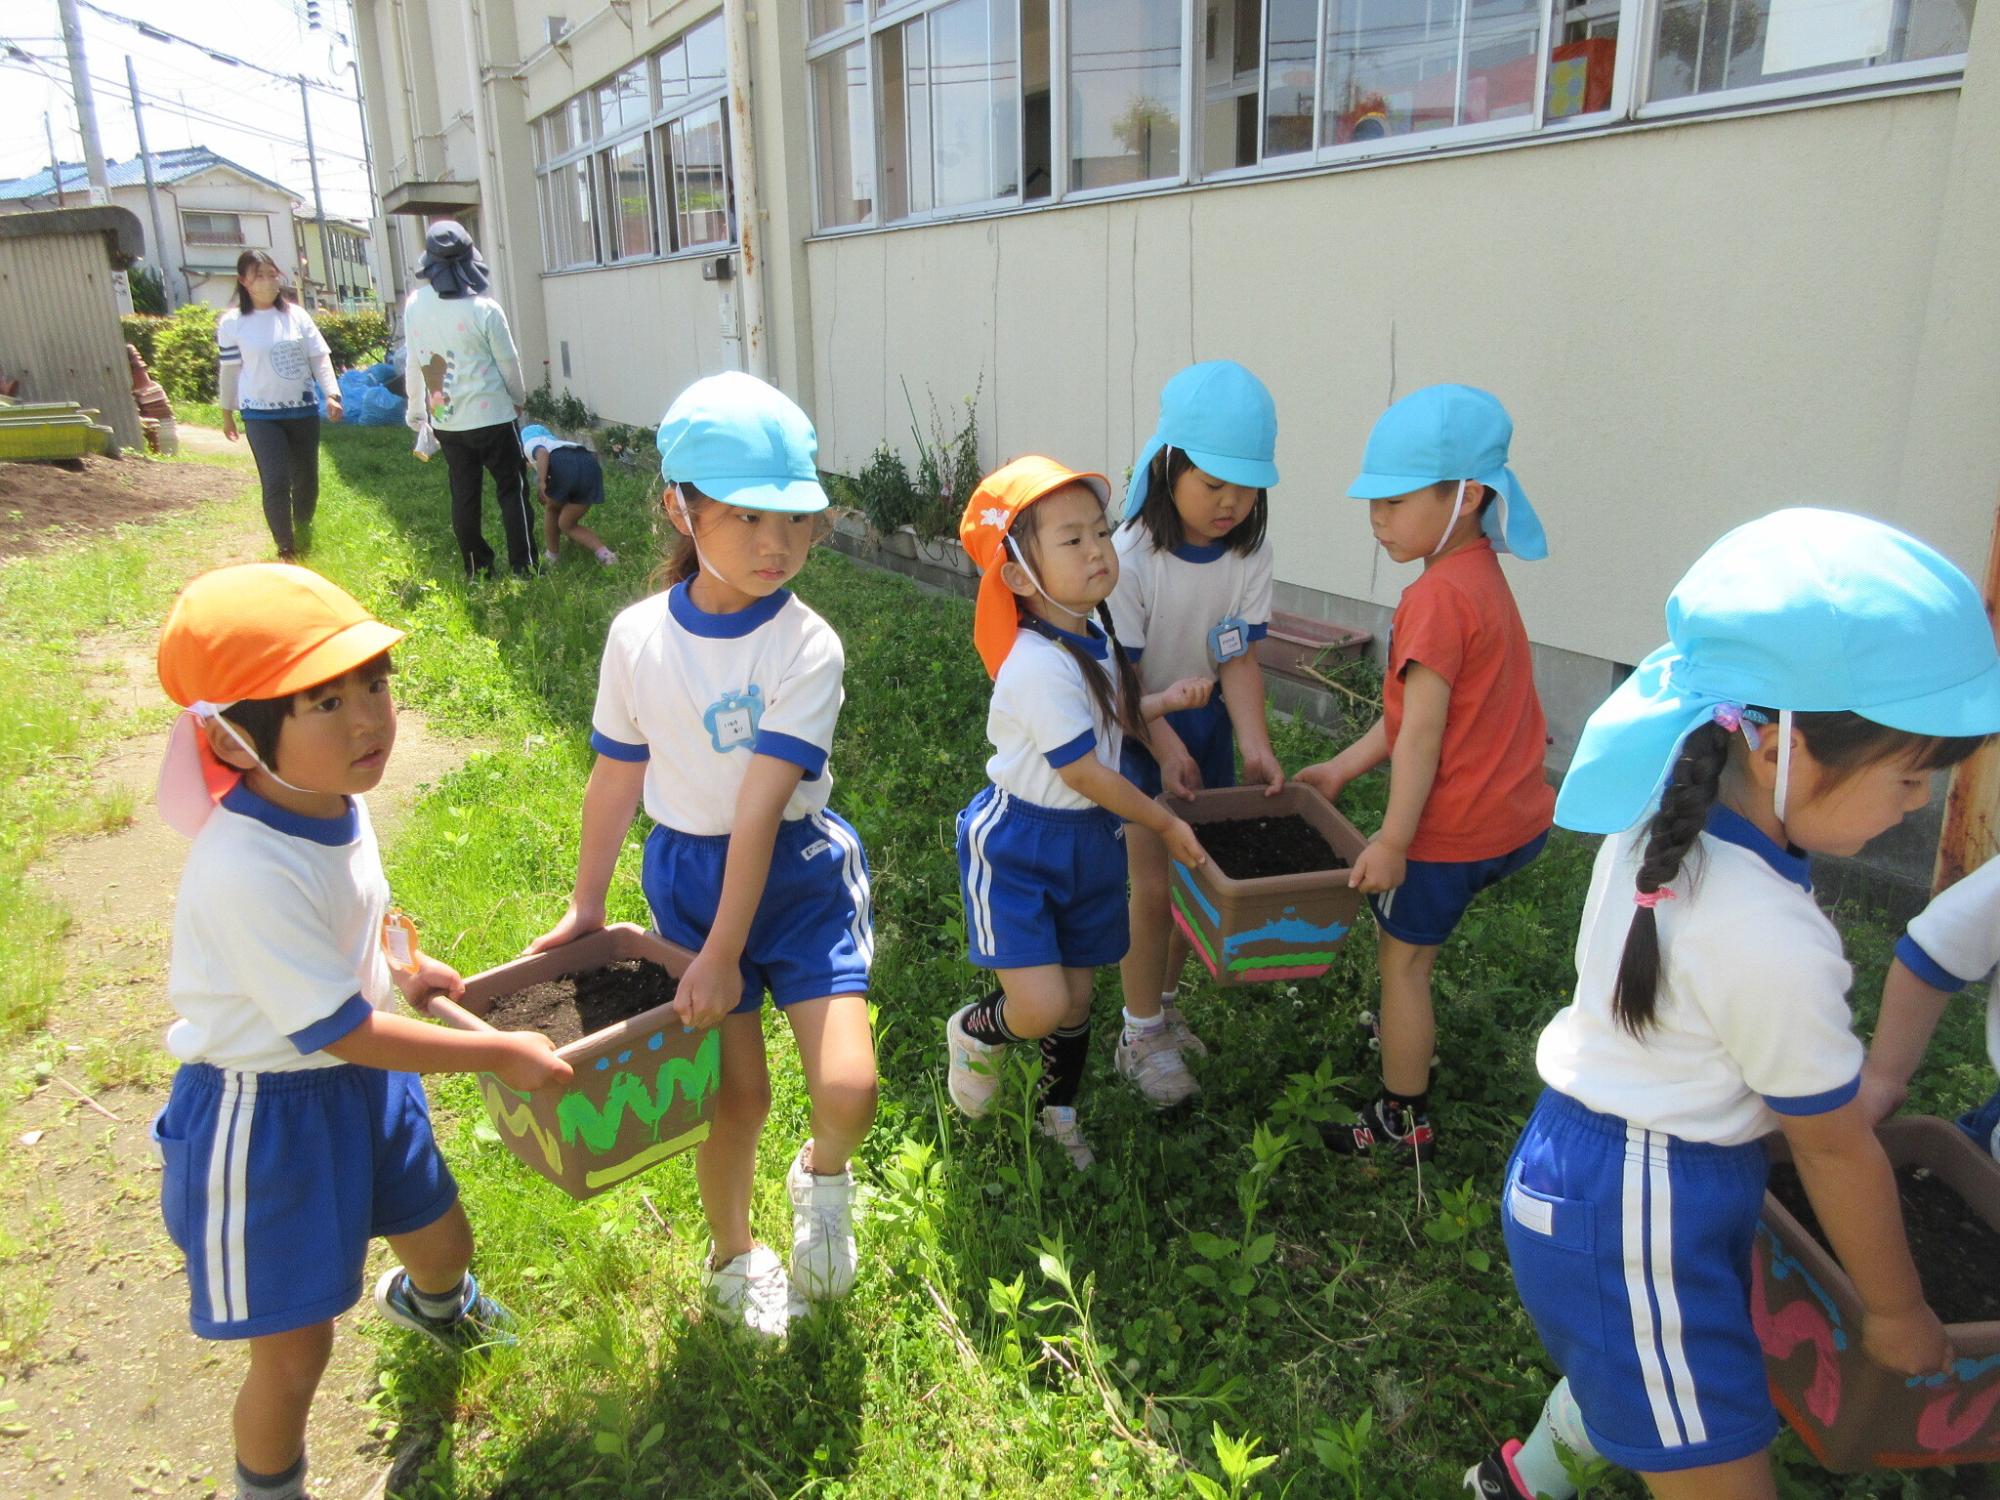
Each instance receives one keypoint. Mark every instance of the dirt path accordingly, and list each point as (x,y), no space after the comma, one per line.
(114,1396)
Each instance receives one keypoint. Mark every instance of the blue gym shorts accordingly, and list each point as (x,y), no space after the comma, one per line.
(1631,1251)
(1983,1125)
(1424,909)
(1209,738)
(814,932)
(575,477)
(1042,885)
(274,1184)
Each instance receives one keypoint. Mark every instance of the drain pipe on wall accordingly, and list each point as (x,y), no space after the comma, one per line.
(749,201)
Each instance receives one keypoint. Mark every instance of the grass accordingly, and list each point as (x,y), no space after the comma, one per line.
(1215,1294)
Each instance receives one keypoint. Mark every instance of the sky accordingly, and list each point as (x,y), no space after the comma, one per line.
(189,98)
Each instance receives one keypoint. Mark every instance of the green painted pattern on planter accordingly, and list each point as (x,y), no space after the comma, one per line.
(1194,930)
(693,1079)
(1279,961)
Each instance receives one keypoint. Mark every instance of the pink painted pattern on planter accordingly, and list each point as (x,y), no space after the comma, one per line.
(1852,1413)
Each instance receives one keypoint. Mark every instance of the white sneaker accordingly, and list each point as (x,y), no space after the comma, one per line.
(1153,1062)
(972,1074)
(1177,1028)
(1058,1123)
(607,557)
(822,1231)
(550,558)
(753,1288)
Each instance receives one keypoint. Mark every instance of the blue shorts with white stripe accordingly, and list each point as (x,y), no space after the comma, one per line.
(1631,1250)
(275,1182)
(1042,885)
(814,932)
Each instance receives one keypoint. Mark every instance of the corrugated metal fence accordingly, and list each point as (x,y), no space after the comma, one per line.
(59,311)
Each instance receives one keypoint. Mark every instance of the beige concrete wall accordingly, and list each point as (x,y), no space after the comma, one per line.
(636,335)
(1691,325)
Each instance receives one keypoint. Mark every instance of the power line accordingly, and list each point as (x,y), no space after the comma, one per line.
(161,34)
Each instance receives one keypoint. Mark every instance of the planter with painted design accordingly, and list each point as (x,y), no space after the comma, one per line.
(1271,927)
(643,1089)
(1851,1412)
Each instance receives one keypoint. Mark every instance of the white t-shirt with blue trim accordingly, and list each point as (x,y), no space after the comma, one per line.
(1043,718)
(1955,941)
(1183,612)
(1751,1009)
(695,695)
(277,937)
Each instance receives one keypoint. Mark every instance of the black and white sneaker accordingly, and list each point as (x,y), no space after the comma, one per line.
(1384,1130)
(1494,1476)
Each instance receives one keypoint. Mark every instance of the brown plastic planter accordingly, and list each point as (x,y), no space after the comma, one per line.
(1302,649)
(643,1090)
(1276,926)
(1852,1413)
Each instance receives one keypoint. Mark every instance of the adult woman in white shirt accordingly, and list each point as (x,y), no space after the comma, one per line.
(271,354)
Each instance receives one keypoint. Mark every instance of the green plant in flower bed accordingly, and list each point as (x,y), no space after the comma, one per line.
(1218,1308)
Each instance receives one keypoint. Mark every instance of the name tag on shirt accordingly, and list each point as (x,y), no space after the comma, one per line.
(1228,640)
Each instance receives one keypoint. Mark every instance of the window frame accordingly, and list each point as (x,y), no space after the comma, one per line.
(1628,106)
(592,158)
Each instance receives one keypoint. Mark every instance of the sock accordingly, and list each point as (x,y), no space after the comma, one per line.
(1537,1465)
(1064,1052)
(985,1021)
(1393,1102)
(441,1307)
(288,1484)
(1168,997)
(1138,1026)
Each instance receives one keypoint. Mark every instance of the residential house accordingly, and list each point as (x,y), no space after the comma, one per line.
(347,282)
(211,210)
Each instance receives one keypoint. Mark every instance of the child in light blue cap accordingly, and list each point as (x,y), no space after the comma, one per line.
(1819,667)
(1193,598)
(569,481)
(716,704)
(1461,726)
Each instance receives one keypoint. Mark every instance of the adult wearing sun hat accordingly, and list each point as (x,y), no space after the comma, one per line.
(463,376)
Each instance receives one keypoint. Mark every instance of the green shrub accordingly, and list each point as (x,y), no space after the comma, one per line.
(947,465)
(149,292)
(354,339)
(141,332)
(184,347)
(883,493)
(541,403)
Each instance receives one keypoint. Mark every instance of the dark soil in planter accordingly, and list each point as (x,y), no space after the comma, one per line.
(578,1004)
(1955,1250)
(1249,848)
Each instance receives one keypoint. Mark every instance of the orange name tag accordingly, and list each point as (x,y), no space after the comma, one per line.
(399,941)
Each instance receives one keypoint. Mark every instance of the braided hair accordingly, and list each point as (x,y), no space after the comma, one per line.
(1841,743)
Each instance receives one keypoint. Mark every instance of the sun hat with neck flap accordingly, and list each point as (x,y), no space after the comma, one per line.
(1447,432)
(255,630)
(1805,611)
(985,529)
(1223,418)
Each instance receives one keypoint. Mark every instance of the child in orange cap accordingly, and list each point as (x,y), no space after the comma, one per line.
(297,1130)
(1041,850)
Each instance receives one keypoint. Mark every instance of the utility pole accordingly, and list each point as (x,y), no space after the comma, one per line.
(86,104)
(55,162)
(152,191)
(312,160)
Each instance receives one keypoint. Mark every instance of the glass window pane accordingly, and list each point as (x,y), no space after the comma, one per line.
(1702,46)
(1393,66)
(707,57)
(623,101)
(628,210)
(700,149)
(832,15)
(577,116)
(1037,153)
(557,128)
(1583,54)
(902,78)
(1288,77)
(671,68)
(975,101)
(1231,31)
(843,137)
(1124,92)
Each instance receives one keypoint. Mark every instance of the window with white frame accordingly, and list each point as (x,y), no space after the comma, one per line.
(926,109)
(638,166)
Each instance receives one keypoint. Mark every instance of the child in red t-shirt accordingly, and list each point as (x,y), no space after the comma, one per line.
(1461,726)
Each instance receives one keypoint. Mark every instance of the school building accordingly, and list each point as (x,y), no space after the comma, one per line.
(1716,255)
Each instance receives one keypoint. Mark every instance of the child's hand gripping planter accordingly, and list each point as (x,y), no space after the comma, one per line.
(297,1129)
(1193,599)
(716,706)
(1820,666)
(1041,850)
